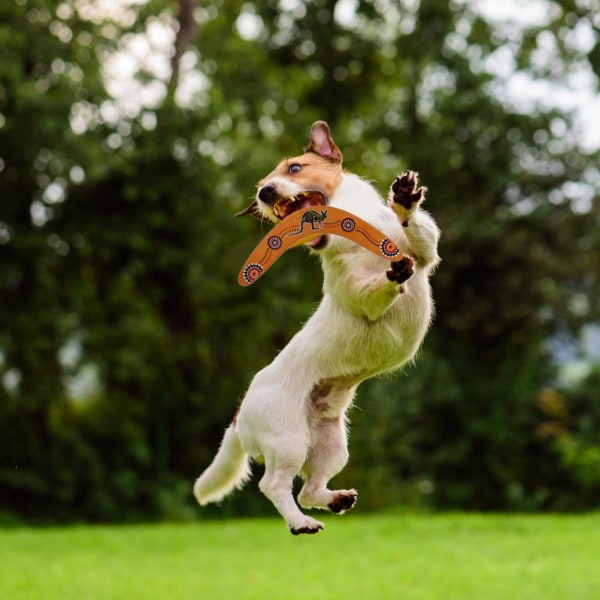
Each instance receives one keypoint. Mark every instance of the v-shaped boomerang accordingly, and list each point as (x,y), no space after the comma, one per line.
(311,222)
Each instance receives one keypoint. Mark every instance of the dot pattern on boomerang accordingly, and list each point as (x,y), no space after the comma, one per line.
(311,222)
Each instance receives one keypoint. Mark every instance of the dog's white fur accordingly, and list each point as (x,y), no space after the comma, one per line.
(293,414)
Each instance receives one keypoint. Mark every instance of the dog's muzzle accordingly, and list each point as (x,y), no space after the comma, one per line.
(281,206)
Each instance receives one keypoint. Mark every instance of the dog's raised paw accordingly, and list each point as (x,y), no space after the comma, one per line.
(343,502)
(401,269)
(405,191)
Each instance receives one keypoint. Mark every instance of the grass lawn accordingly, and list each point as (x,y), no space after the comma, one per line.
(393,556)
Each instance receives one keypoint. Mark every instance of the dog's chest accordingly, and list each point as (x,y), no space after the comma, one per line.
(346,348)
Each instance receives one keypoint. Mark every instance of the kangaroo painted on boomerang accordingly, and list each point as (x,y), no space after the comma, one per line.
(372,319)
(313,218)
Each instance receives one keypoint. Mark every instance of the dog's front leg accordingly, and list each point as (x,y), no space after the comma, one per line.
(405,199)
(361,283)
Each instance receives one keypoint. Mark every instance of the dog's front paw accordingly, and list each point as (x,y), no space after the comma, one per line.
(401,269)
(404,190)
(405,195)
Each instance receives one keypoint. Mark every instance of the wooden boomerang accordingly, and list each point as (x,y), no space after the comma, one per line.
(311,222)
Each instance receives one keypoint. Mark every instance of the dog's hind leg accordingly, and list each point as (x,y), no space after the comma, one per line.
(276,485)
(327,456)
(277,432)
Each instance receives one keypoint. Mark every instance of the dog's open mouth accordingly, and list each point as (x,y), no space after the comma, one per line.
(286,206)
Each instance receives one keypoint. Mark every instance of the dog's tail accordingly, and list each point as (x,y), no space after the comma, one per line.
(229,469)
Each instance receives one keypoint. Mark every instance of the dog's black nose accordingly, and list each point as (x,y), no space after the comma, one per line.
(267,193)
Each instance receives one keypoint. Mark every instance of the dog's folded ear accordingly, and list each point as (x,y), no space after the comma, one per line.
(322,143)
(252,209)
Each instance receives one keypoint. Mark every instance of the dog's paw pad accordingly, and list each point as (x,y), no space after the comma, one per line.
(305,524)
(343,502)
(405,191)
(309,529)
(401,269)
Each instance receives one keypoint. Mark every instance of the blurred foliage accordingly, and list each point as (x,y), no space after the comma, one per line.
(125,343)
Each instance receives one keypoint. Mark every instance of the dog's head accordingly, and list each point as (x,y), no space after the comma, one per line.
(310,179)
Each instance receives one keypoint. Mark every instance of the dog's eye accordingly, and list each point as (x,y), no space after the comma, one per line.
(295,168)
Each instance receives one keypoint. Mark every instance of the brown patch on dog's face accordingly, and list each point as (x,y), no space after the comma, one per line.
(306,180)
(309,172)
(298,182)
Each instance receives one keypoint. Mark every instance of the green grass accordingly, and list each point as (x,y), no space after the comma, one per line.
(386,556)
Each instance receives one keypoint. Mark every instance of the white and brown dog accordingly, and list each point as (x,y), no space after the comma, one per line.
(372,319)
